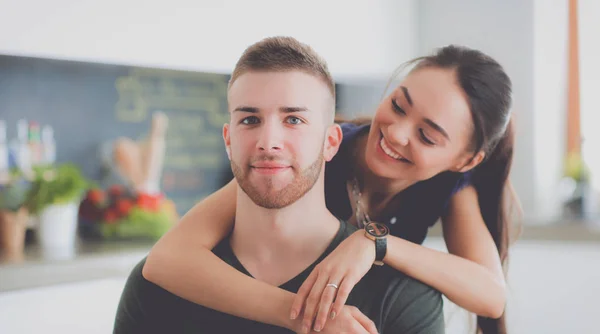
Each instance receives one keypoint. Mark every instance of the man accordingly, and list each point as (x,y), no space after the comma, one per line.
(281,131)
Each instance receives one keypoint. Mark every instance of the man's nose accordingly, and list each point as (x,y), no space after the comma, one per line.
(271,136)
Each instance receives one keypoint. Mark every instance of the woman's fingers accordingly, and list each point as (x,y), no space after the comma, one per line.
(313,299)
(302,294)
(367,323)
(344,290)
(329,294)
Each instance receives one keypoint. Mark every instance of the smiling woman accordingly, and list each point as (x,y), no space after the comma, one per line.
(425,124)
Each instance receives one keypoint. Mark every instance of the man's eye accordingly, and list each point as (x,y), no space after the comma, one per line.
(294,120)
(250,120)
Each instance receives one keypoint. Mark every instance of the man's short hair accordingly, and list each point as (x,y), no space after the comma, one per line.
(281,54)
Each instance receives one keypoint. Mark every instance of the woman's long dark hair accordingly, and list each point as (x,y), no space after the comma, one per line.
(489,92)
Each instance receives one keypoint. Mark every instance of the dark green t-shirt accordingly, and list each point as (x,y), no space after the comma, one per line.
(394,301)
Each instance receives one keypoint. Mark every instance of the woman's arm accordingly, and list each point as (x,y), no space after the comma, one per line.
(471,275)
(182,262)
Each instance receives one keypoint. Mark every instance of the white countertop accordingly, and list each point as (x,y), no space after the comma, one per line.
(88,261)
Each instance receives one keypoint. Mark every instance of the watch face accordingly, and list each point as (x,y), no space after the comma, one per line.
(377,230)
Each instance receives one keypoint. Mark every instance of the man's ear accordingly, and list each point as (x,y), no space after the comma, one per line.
(227,140)
(469,162)
(333,140)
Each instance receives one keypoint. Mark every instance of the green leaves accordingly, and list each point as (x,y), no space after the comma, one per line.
(139,223)
(56,185)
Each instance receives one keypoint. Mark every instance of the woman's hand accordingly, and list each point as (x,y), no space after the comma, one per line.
(344,267)
(350,320)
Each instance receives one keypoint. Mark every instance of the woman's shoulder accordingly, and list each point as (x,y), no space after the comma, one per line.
(352,130)
(464,180)
(343,157)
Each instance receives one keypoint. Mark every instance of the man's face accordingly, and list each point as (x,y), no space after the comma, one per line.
(276,137)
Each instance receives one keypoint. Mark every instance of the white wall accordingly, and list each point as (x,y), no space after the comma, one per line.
(504,30)
(84,307)
(549,288)
(359,38)
(589,29)
(550,73)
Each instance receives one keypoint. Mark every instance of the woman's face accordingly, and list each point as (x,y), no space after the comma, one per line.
(422,128)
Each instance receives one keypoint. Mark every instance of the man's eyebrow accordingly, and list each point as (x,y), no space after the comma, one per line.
(407,95)
(255,110)
(246,109)
(292,109)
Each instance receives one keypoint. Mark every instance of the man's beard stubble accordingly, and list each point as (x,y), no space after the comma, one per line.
(302,182)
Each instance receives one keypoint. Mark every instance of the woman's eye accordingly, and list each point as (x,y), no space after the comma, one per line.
(397,107)
(425,138)
(250,120)
(294,120)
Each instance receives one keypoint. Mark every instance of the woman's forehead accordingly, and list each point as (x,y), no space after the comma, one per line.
(436,94)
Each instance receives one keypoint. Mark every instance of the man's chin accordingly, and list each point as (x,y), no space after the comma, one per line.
(271,203)
(269,185)
(272,196)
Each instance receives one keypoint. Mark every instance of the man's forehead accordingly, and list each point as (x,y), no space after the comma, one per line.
(269,89)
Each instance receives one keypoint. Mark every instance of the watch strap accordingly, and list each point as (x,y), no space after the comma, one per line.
(380,250)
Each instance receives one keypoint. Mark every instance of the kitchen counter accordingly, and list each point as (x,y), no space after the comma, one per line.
(568,231)
(88,261)
(97,260)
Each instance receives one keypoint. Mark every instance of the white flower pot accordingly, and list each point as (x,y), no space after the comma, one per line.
(57,228)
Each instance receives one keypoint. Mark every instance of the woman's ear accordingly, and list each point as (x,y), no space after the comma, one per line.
(469,162)
(226,139)
(333,140)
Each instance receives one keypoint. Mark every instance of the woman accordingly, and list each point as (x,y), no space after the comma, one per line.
(439,146)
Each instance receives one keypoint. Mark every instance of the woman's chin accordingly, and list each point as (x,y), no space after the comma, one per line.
(383,170)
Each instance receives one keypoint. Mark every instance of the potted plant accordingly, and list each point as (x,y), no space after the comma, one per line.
(13,216)
(577,174)
(55,197)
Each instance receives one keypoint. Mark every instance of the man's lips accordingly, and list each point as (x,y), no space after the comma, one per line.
(269,164)
(269,167)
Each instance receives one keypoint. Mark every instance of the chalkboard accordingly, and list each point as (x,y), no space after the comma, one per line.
(90,104)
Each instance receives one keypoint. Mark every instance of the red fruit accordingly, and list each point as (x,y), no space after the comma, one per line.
(123,206)
(110,216)
(116,190)
(96,196)
(149,202)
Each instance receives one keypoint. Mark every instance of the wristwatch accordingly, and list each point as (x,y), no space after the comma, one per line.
(378,232)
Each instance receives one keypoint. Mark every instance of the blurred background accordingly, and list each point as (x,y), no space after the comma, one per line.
(110,129)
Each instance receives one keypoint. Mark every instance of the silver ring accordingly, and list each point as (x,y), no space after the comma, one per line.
(333,285)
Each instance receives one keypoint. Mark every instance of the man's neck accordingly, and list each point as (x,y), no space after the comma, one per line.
(275,245)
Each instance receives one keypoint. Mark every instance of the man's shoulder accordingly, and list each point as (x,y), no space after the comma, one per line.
(398,286)
(138,288)
(141,301)
(403,303)
(148,308)
(348,228)
(136,282)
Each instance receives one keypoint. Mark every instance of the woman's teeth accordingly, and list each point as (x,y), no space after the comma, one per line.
(389,151)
